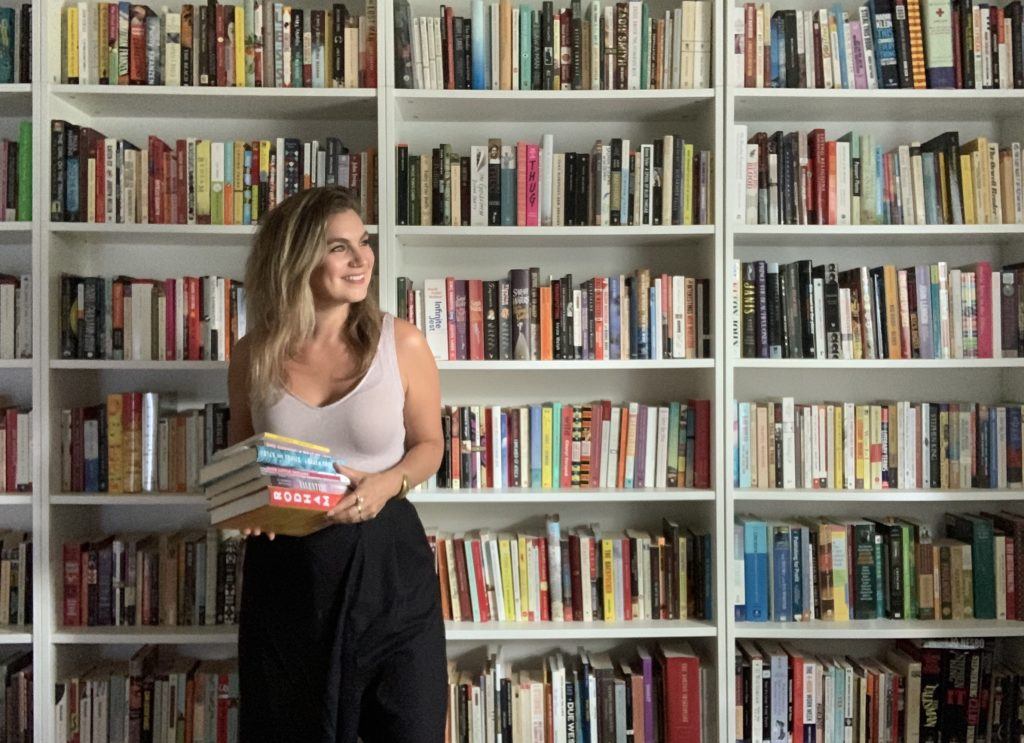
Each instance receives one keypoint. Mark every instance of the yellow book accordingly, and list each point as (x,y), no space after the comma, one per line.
(688,184)
(545,447)
(115,444)
(202,186)
(840,572)
(238,193)
(507,585)
(103,60)
(608,578)
(863,452)
(970,216)
(239,47)
(525,605)
(876,441)
(980,193)
(262,163)
(71,40)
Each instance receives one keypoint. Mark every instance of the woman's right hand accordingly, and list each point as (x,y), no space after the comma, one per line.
(256,531)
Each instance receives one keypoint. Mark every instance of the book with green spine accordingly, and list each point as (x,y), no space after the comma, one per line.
(25,172)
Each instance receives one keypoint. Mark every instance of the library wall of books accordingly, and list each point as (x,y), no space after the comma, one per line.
(727,300)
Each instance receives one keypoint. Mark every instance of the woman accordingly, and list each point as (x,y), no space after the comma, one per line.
(340,631)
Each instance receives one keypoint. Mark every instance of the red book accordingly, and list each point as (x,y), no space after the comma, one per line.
(1011,575)
(749,45)
(449,289)
(101,181)
(565,472)
(72,584)
(796,665)
(441,566)
(170,178)
(575,576)
(83,594)
(597,416)
(170,317)
(702,443)
(478,577)
(180,208)
(449,51)
(819,176)
(476,319)
(137,45)
(983,293)
(680,686)
(831,155)
(540,544)
(532,181)
(462,579)
(600,289)
(521,184)
(958,70)
(222,49)
(816,30)
(192,333)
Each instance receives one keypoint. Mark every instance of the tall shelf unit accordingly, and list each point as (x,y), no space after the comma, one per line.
(422,119)
(893,117)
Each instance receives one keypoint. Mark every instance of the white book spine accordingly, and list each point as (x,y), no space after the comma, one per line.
(546,178)
(436,316)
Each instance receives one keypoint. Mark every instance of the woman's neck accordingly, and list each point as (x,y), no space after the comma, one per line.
(330,321)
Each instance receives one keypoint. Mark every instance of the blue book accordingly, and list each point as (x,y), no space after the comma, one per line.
(885,43)
(839,702)
(778,71)
(993,447)
(837,13)
(478,50)
(936,318)
(709,577)
(755,572)
(881,206)
(930,199)
(634,331)
(781,566)
(502,477)
(6,45)
(614,331)
(535,446)
(796,541)
(525,45)
(71,199)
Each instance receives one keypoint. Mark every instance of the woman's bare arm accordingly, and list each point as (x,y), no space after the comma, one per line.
(423,440)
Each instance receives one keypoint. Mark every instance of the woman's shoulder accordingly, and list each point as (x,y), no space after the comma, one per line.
(407,335)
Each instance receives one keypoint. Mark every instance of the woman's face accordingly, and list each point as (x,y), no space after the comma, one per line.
(343,275)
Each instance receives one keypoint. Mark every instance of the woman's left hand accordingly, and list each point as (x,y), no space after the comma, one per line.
(367,495)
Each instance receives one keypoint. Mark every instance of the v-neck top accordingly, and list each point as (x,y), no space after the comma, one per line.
(364,429)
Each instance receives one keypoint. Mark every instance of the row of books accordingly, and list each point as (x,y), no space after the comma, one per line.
(16,695)
(16,170)
(254,44)
(195,181)
(618,46)
(276,483)
(801,310)
(15,579)
(875,446)
(883,44)
(886,568)
(138,442)
(565,445)
(587,574)
(155,695)
(666,182)
(637,316)
(191,318)
(15,316)
(927,690)
(15,448)
(16,44)
(661,694)
(805,178)
(188,578)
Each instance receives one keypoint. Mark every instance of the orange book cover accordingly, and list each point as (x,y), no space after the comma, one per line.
(545,323)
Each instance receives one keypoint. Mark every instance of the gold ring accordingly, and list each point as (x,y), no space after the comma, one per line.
(359,500)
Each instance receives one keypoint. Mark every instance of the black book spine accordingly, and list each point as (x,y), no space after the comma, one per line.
(569,319)
(443,51)
(437,188)
(25,45)
(58,164)
(775,314)
(491,332)
(807,309)
(402,187)
(211,44)
(761,298)
(504,319)
(993,32)
(202,34)
(1016,13)
(577,44)
(677,179)
(494,183)
(614,217)
(967,42)
(833,335)
(548,43)
(467,53)
(556,319)
(459,58)
(464,190)
(583,218)
(901,35)
(878,302)
(338,44)
(657,191)
(568,184)
(749,311)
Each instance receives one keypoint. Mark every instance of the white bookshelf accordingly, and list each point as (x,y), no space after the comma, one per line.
(893,116)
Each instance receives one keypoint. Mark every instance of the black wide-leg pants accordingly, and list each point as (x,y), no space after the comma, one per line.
(341,635)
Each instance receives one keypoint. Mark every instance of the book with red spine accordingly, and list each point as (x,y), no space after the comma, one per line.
(72,578)
(532,184)
(819,177)
(679,669)
(565,471)
(521,184)
(462,578)
(702,444)
(478,576)
(540,544)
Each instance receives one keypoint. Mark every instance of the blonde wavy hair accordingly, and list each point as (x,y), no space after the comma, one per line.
(290,244)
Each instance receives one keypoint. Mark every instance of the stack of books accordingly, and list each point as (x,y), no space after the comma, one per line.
(273,482)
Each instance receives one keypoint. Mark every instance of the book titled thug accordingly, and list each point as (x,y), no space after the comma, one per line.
(276,483)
